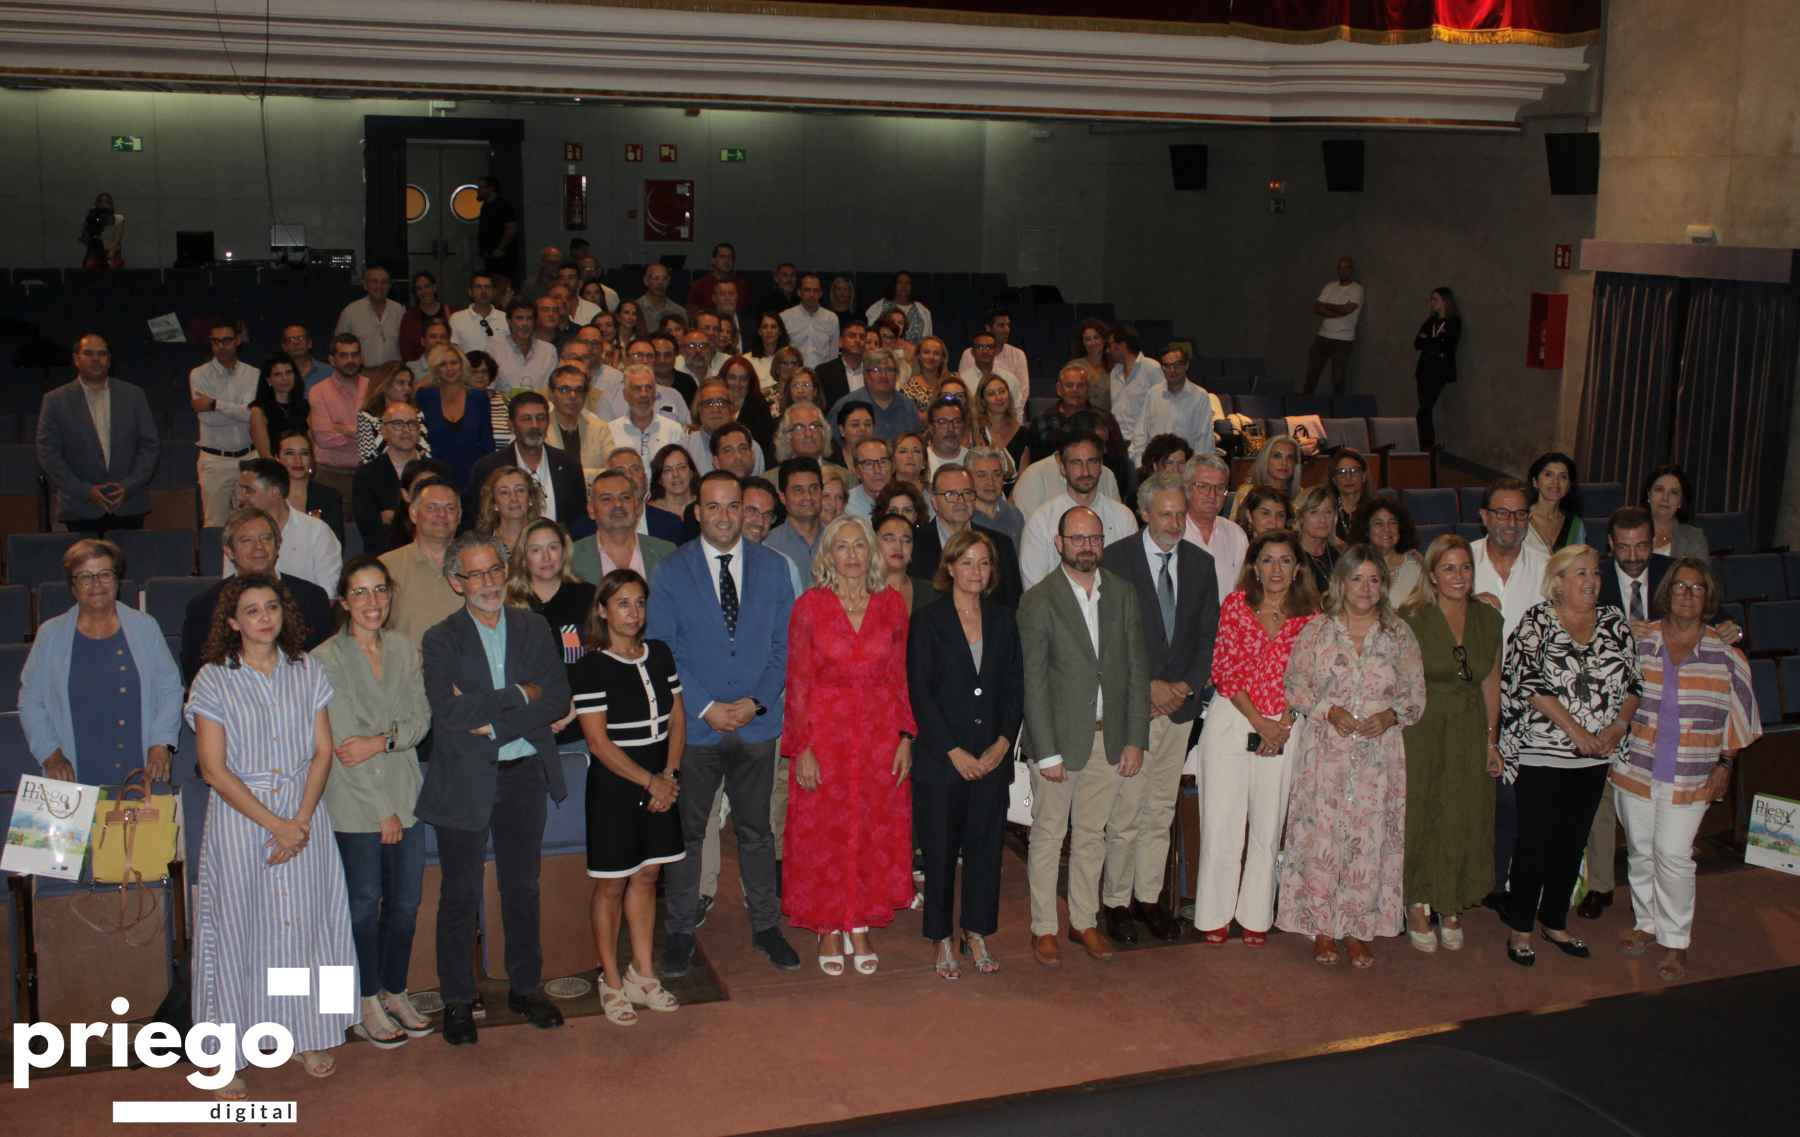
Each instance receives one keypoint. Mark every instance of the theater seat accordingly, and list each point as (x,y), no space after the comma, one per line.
(1429,533)
(157,552)
(167,597)
(1260,406)
(15,613)
(1431,506)
(1600,499)
(1726,532)
(1789,668)
(32,558)
(1763,680)
(1774,627)
(54,598)
(1354,406)
(12,666)
(1472,498)
(1404,465)
(1347,432)
(1753,576)
(212,551)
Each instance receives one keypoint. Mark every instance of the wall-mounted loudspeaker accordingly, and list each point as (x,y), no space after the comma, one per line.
(1187,164)
(1343,164)
(1574,162)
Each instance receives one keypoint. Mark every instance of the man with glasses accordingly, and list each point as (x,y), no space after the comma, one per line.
(643,427)
(1081,462)
(297,345)
(873,464)
(1087,720)
(481,325)
(801,433)
(699,351)
(335,407)
(1174,406)
(987,466)
(576,431)
(555,472)
(374,319)
(495,679)
(953,505)
(522,359)
(894,413)
(309,549)
(616,506)
(221,391)
(713,403)
(1205,480)
(375,497)
(945,425)
(1008,360)
(252,546)
(98,442)
(422,595)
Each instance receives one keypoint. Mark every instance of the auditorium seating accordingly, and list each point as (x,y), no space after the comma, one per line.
(1352,432)
(15,613)
(1773,627)
(1600,499)
(53,598)
(157,552)
(1765,681)
(1753,576)
(1403,464)
(32,558)
(12,665)
(1726,532)
(1431,506)
(166,598)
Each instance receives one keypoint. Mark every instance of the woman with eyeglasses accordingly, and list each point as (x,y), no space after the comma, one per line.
(1453,751)
(483,375)
(378,717)
(1349,482)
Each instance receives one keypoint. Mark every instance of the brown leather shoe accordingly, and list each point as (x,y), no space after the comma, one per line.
(1093,941)
(1044,950)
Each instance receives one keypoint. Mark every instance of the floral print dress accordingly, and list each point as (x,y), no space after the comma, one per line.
(1345,854)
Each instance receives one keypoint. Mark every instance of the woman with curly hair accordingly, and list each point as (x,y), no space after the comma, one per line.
(266,894)
(510,500)
(1383,524)
(1166,453)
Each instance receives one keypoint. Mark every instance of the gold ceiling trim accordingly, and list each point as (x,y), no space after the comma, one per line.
(1437,33)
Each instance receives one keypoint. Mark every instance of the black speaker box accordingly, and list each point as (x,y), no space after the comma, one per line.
(1574,163)
(1187,165)
(1343,164)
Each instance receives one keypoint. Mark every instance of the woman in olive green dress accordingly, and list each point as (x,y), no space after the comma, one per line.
(1452,756)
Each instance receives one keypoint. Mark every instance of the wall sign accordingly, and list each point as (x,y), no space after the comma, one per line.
(634,152)
(1564,257)
(668,210)
(665,152)
(127,144)
(571,151)
(733,154)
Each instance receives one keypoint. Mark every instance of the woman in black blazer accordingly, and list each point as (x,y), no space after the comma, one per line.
(965,671)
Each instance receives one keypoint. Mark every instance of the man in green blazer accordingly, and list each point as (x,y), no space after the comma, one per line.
(614,504)
(1087,718)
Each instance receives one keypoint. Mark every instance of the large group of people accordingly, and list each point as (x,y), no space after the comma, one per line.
(775,553)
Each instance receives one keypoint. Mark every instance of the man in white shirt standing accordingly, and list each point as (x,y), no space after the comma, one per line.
(1133,375)
(1339,305)
(522,359)
(481,325)
(1081,460)
(1175,406)
(309,549)
(1008,360)
(221,391)
(374,320)
(641,428)
(1206,480)
(813,330)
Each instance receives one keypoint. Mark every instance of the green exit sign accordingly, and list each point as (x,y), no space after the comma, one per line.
(733,154)
(127,143)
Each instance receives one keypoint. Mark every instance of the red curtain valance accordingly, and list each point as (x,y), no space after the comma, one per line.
(1544,23)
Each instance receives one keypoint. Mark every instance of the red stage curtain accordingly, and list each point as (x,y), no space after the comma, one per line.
(1547,23)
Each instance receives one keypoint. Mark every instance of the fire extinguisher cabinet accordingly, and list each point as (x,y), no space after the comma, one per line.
(1546,326)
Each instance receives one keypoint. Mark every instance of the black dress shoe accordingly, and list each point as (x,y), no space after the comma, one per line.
(773,944)
(1161,924)
(1593,904)
(538,1011)
(1574,946)
(1120,928)
(678,955)
(1523,956)
(459,1024)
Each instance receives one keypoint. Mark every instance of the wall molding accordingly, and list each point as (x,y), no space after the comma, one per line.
(565,52)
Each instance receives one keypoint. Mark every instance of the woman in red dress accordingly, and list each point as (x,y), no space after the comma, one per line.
(847,860)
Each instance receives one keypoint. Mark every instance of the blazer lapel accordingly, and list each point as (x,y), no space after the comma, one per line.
(988,645)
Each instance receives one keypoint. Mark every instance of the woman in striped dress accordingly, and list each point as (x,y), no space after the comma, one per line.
(267,895)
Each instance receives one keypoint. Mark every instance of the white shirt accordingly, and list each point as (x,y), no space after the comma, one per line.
(1011,363)
(514,368)
(1186,413)
(661,432)
(859,502)
(309,550)
(637,560)
(932,461)
(585,311)
(227,426)
(378,335)
(1625,583)
(1228,545)
(881,308)
(737,566)
(1043,480)
(1517,592)
(813,334)
(1341,327)
(466,333)
(853,376)
(99,405)
(1089,605)
(1130,389)
(1037,545)
(541,476)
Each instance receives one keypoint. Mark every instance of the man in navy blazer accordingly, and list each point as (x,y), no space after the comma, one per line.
(98,485)
(1180,646)
(496,683)
(1628,581)
(721,604)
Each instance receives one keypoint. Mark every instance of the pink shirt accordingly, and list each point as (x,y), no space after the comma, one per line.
(333,422)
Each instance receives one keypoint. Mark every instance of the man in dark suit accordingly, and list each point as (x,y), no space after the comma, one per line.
(953,497)
(838,377)
(1178,605)
(1628,581)
(722,606)
(496,682)
(252,543)
(566,500)
(101,482)
(1087,719)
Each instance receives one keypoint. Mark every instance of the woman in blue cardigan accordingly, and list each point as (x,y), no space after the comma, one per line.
(110,660)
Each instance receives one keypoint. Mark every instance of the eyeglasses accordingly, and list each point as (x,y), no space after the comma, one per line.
(715,404)
(401,423)
(956,495)
(807,427)
(1681,586)
(873,463)
(498,572)
(1346,471)
(485,329)
(1462,663)
(1510,514)
(224,339)
(1094,540)
(91,579)
(565,389)
(1206,488)
(365,592)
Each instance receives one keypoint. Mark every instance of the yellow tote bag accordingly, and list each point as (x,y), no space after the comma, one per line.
(135,833)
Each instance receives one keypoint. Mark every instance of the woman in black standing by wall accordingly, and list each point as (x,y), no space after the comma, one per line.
(1436,343)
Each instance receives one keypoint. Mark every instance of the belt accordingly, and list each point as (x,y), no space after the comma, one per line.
(1099,725)
(223,453)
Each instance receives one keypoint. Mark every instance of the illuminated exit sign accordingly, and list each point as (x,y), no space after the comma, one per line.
(733,154)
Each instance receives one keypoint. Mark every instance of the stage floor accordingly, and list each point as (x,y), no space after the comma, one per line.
(800,1049)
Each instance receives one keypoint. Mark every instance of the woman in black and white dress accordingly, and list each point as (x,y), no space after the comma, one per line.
(627,698)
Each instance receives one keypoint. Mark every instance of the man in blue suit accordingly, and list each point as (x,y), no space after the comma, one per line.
(721,604)
(97,441)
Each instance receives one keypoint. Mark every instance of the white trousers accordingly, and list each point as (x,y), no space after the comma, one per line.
(1660,838)
(1243,802)
(218,479)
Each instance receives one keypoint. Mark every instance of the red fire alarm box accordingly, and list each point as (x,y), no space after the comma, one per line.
(1545,329)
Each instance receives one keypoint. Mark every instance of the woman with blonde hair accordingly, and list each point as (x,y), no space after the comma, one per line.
(834,491)
(994,422)
(1277,466)
(1355,677)
(458,419)
(510,500)
(1315,512)
(785,368)
(849,731)
(540,576)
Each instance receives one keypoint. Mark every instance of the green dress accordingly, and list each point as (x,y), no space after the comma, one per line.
(1449,794)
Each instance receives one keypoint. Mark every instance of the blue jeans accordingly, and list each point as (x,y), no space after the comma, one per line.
(385,883)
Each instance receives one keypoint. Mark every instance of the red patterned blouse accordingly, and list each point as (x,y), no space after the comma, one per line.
(1247,659)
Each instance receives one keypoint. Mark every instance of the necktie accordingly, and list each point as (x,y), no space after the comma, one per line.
(1165,597)
(728,597)
(1637,600)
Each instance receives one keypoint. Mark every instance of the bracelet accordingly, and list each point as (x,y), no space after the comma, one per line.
(1724,762)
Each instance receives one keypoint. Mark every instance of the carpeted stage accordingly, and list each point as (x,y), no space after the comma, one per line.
(1184,1039)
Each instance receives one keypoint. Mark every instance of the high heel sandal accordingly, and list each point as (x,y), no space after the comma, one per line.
(616,1005)
(946,961)
(645,991)
(864,962)
(1216,936)
(1450,935)
(1425,941)
(832,965)
(975,946)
